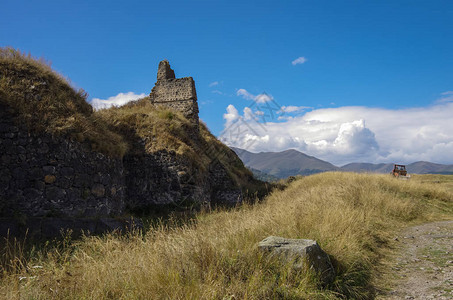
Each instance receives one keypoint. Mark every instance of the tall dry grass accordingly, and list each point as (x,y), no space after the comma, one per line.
(352,216)
(44,101)
(149,129)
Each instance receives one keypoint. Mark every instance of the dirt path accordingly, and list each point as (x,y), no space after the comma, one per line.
(424,266)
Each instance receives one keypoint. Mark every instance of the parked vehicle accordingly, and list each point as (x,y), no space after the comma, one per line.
(400,172)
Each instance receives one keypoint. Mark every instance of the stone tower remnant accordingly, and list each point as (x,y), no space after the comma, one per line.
(175,93)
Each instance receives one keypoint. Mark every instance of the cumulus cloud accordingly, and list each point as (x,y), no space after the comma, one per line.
(118,100)
(352,134)
(299,61)
(260,98)
(231,115)
(354,138)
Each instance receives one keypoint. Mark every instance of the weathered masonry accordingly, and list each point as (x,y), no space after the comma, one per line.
(175,93)
(48,182)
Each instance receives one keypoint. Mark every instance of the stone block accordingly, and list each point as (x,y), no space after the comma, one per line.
(55,193)
(299,251)
(98,190)
(49,179)
(49,170)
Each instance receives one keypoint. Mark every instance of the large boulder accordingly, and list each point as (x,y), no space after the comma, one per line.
(299,251)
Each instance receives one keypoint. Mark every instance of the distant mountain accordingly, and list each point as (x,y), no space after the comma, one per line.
(424,167)
(285,163)
(292,162)
(367,167)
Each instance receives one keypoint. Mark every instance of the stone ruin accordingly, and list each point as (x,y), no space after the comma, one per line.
(50,182)
(175,93)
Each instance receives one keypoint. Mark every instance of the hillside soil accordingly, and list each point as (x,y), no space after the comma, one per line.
(424,266)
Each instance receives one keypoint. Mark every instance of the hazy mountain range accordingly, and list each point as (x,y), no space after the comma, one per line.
(284,164)
(292,162)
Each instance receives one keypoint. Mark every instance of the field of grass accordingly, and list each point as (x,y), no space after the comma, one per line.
(352,216)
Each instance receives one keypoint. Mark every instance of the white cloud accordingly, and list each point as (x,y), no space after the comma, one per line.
(205,102)
(248,114)
(214,83)
(118,100)
(293,109)
(260,98)
(217,92)
(246,95)
(354,134)
(231,115)
(353,137)
(299,60)
(446,97)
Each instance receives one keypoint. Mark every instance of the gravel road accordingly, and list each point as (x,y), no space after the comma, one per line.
(424,266)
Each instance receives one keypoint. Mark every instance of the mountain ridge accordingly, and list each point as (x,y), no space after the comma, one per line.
(292,162)
(283,164)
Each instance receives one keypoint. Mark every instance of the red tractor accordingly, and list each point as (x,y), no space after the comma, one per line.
(399,171)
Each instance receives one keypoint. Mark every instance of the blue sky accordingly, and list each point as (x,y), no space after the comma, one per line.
(392,58)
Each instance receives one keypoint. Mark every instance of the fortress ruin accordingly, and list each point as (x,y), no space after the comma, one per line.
(50,181)
(175,93)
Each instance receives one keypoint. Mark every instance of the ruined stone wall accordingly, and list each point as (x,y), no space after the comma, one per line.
(162,178)
(46,176)
(42,175)
(171,90)
(178,94)
(223,190)
(175,93)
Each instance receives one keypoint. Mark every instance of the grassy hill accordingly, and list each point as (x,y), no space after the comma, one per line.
(164,129)
(44,102)
(354,217)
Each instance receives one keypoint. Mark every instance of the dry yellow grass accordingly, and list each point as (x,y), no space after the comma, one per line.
(45,102)
(352,216)
(160,129)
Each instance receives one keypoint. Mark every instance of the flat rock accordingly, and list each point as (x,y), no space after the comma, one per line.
(298,251)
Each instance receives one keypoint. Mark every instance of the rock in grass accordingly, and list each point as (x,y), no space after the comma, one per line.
(299,251)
